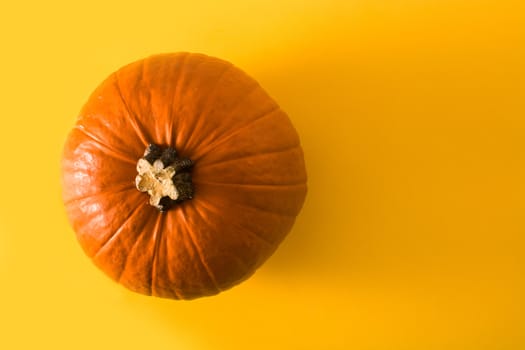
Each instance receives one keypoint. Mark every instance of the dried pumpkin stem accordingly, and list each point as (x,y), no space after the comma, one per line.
(164,176)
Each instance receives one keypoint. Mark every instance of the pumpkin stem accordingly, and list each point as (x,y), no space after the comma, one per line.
(164,176)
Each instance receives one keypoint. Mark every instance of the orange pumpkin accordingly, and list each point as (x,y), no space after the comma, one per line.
(181,176)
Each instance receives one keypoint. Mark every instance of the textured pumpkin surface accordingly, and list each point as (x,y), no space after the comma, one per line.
(249,176)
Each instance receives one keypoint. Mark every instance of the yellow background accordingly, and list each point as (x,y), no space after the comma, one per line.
(412,118)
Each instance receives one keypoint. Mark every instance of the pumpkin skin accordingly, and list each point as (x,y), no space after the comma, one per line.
(249,176)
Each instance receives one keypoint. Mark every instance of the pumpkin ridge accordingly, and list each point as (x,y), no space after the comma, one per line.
(163,247)
(205,102)
(117,231)
(203,165)
(169,128)
(157,237)
(218,212)
(247,267)
(142,77)
(176,97)
(182,80)
(223,139)
(131,116)
(242,204)
(125,187)
(197,249)
(234,108)
(102,146)
(187,247)
(283,186)
(142,127)
(130,252)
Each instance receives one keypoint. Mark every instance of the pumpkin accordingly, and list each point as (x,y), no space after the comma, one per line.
(181,176)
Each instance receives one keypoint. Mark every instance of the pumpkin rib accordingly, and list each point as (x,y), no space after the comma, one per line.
(172,287)
(143,77)
(295,188)
(104,147)
(157,236)
(131,116)
(206,101)
(243,204)
(136,118)
(130,253)
(233,108)
(176,97)
(283,186)
(169,126)
(223,139)
(245,266)
(182,80)
(163,250)
(196,247)
(125,187)
(119,230)
(203,165)
(188,247)
(285,215)
(218,212)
